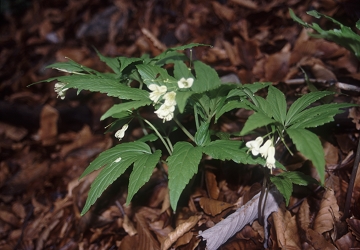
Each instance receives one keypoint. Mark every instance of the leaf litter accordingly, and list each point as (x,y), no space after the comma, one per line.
(46,143)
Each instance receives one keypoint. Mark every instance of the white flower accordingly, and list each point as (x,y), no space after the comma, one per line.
(157,92)
(165,112)
(264,148)
(254,145)
(270,159)
(185,83)
(60,90)
(121,132)
(170,98)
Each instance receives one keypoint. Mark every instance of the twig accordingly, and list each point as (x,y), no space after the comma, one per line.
(351,183)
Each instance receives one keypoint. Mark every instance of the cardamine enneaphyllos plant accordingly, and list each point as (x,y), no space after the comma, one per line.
(193,89)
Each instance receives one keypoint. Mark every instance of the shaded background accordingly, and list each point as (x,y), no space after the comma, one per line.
(46,143)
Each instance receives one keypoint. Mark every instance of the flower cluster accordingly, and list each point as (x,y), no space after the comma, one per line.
(60,90)
(267,150)
(166,110)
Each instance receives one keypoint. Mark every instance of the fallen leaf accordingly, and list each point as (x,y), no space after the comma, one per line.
(221,232)
(324,221)
(213,207)
(180,230)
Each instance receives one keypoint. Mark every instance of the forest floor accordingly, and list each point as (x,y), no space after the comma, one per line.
(46,143)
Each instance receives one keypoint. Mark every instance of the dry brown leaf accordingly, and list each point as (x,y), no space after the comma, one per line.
(286,229)
(318,241)
(246,3)
(324,220)
(354,113)
(12,132)
(354,226)
(213,207)
(83,137)
(211,185)
(48,125)
(180,230)
(223,11)
(9,217)
(129,242)
(129,226)
(303,216)
(277,66)
(184,239)
(146,239)
(348,241)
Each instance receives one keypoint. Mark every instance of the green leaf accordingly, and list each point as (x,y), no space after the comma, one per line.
(116,160)
(344,36)
(148,138)
(112,62)
(230,106)
(126,61)
(264,106)
(102,84)
(358,24)
(206,78)
(71,67)
(168,57)
(181,70)
(152,74)
(231,150)
(254,121)
(299,178)
(310,146)
(318,115)
(202,136)
(182,98)
(301,103)
(187,46)
(298,20)
(277,102)
(142,171)
(284,185)
(126,106)
(183,164)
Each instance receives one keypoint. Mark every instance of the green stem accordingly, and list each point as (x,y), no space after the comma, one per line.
(169,143)
(160,136)
(184,129)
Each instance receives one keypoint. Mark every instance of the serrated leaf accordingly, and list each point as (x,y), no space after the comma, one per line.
(206,78)
(181,70)
(284,185)
(299,178)
(153,74)
(126,61)
(183,164)
(168,57)
(318,115)
(109,86)
(112,62)
(230,106)
(148,138)
(142,171)
(126,106)
(71,67)
(277,102)
(344,36)
(182,98)
(231,151)
(254,121)
(116,160)
(310,146)
(202,135)
(303,102)
(188,46)
(264,106)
